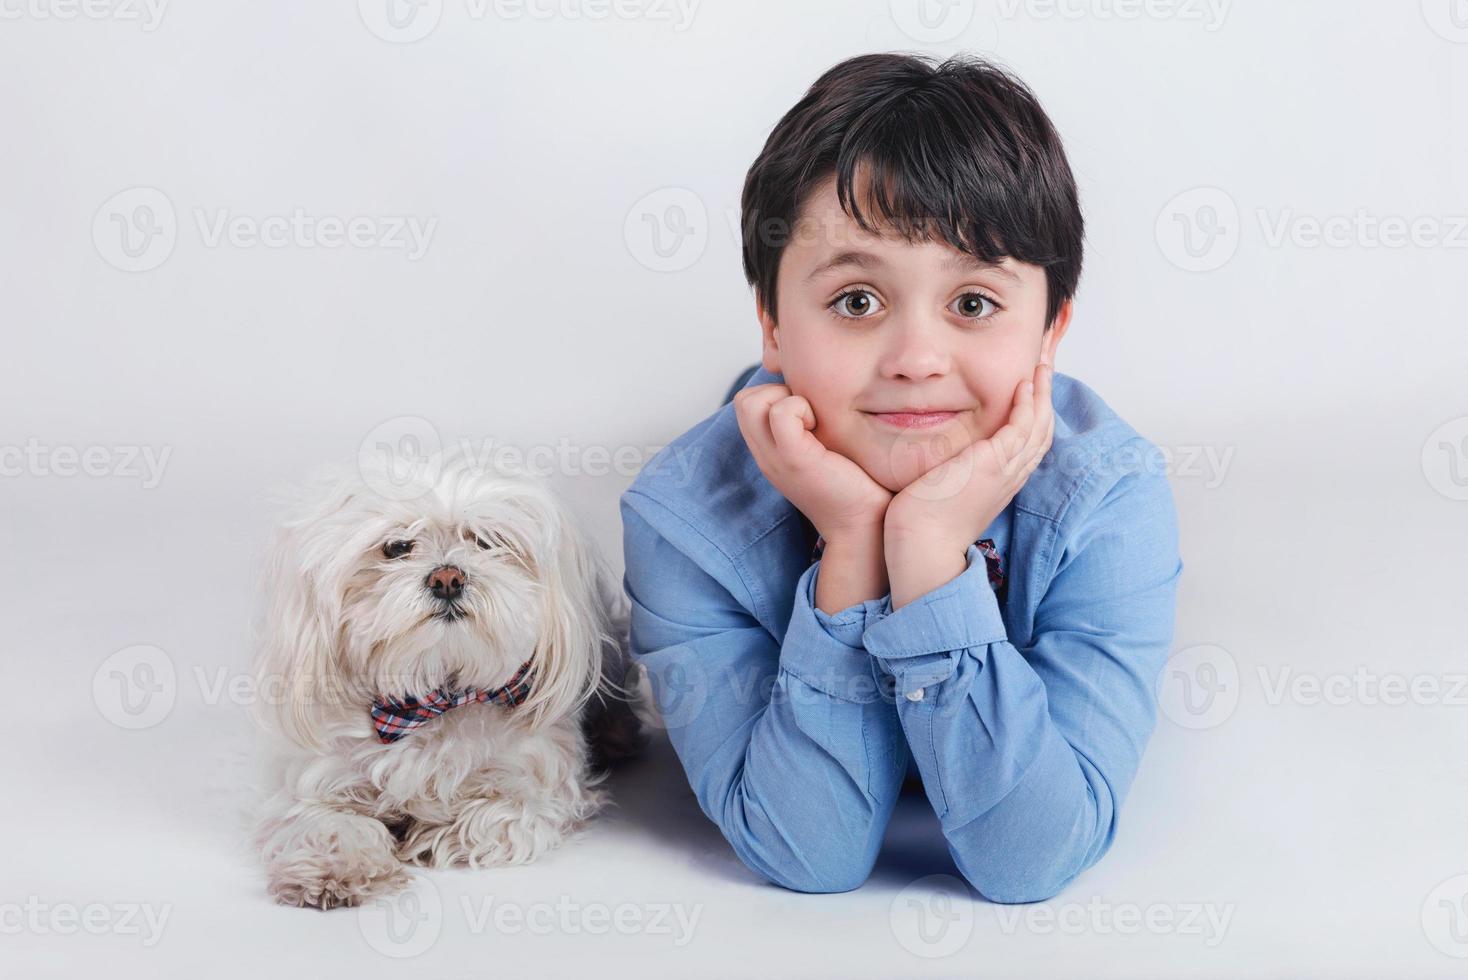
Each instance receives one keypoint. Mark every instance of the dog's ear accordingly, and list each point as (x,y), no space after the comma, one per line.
(576,625)
(300,680)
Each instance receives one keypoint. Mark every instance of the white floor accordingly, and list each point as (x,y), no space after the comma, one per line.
(1286,836)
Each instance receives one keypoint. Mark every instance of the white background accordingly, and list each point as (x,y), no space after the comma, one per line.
(1301,388)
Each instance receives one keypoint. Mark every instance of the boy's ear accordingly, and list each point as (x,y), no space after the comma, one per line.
(1057,330)
(770,339)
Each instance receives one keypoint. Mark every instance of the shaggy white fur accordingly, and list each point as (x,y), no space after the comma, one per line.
(352,612)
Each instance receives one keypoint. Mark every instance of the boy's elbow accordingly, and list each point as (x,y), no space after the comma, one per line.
(824,879)
(815,870)
(1043,857)
(794,855)
(1021,890)
(1017,879)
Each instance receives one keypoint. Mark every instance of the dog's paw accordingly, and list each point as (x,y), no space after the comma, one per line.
(491,832)
(339,886)
(322,857)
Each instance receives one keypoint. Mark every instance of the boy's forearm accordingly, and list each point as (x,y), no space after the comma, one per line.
(853,569)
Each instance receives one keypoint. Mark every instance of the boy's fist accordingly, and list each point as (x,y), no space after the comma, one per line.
(831,490)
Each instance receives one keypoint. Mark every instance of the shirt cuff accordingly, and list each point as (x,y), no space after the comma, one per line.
(846,625)
(825,652)
(919,643)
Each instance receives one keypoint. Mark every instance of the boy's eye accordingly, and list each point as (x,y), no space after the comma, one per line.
(971,306)
(856,304)
(397,549)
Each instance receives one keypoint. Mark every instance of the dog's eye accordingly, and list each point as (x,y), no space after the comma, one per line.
(489,541)
(397,549)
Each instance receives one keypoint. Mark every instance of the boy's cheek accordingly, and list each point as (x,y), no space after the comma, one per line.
(987,422)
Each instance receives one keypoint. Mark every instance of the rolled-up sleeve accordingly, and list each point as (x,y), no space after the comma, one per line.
(1026,753)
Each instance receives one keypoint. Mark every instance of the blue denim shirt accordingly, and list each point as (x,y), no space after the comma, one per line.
(1025,710)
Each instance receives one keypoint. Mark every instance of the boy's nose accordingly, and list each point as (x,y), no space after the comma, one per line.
(916,351)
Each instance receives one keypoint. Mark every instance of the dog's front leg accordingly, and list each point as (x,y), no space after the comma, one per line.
(512,813)
(321,856)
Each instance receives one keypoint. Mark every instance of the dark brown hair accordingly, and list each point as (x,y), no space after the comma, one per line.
(960,149)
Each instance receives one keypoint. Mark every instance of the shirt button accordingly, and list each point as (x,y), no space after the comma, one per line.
(915,695)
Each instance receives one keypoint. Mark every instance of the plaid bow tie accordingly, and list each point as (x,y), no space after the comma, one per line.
(986,545)
(395,717)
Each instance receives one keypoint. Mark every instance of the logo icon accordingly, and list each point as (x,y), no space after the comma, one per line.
(405,924)
(1445,917)
(667,230)
(1199,230)
(1445,459)
(1447,18)
(402,458)
(672,696)
(932,21)
(933,916)
(135,230)
(1198,687)
(400,21)
(135,687)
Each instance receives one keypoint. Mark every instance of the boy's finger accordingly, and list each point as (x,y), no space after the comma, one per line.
(1042,444)
(760,397)
(752,412)
(1010,440)
(1042,414)
(1044,391)
(1024,411)
(791,419)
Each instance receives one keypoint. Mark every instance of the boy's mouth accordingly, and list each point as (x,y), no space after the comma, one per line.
(914,419)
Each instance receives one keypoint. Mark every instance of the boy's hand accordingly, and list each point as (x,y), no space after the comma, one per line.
(836,494)
(932,521)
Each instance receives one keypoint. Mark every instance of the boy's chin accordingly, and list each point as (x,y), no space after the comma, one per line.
(876,461)
(890,483)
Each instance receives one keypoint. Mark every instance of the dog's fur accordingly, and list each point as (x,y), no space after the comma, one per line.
(482,784)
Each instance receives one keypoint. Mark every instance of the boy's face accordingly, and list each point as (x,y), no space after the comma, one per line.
(894,326)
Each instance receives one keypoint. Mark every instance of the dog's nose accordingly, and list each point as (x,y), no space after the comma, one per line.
(445,582)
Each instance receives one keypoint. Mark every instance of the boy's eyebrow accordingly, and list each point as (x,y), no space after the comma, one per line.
(963,262)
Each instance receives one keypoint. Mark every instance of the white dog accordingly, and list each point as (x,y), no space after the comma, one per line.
(437,663)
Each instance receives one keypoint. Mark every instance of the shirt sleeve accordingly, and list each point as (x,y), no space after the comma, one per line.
(789,747)
(1027,753)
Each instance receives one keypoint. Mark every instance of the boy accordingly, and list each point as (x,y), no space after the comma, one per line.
(908,545)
